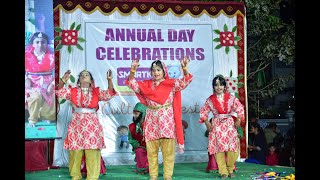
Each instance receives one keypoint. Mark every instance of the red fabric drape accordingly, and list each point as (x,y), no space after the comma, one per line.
(178,119)
(36,156)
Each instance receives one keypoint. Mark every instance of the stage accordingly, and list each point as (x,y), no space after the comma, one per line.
(182,171)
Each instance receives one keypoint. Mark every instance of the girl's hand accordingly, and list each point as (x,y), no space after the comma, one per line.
(109,74)
(66,76)
(184,62)
(237,123)
(208,125)
(135,65)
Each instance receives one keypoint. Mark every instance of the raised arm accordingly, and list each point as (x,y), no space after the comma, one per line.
(61,92)
(134,67)
(64,79)
(184,65)
(109,78)
(182,83)
(106,95)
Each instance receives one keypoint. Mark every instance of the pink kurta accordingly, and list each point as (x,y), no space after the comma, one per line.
(159,123)
(223,136)
(85,130)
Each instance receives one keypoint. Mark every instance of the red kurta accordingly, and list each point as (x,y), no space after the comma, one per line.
(223,136)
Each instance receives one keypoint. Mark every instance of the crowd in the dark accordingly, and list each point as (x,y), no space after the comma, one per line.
(269,146)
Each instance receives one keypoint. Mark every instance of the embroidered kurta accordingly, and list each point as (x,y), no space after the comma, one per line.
(223,136)
(85,130)
(159,121)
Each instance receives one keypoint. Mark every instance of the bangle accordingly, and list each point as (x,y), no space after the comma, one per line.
(63,81)
(132,70)
(185,68)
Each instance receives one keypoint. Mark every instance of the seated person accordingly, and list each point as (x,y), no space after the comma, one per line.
(136,139)
(257,147)
(272,158)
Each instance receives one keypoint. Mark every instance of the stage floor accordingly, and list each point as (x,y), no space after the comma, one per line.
(182,171)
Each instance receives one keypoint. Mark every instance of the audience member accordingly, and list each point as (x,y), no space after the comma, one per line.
(258,147)
(270,132)
(272,158)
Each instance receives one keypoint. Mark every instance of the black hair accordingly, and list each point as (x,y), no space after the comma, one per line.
(221,79)
(122,127)
(158,63)
(255,125)
(272,144)
(135,121)
(272,125)
(35,35)
(78,81)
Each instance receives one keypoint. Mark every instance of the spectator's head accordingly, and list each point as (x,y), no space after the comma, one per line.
(253,118)
(272,148)
(272,126)
(254,128)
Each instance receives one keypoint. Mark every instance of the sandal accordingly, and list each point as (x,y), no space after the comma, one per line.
(224,176)
(232,175)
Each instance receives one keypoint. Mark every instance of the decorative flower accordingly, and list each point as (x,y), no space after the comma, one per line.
(233,84)
(69,37)
(227,38)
